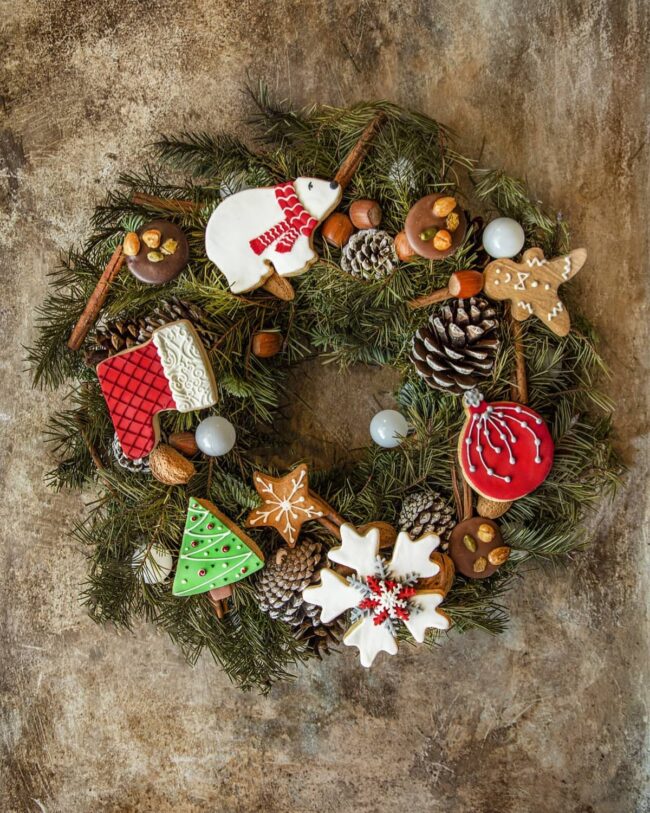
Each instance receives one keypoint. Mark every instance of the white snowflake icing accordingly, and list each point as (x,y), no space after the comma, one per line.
(382,594)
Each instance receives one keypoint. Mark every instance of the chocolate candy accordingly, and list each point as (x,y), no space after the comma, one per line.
(159,264)
(421,219)
(476,547)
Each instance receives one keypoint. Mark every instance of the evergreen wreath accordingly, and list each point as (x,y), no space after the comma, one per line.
(339,316)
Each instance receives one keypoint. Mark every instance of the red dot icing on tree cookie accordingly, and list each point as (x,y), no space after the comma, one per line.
(505,448)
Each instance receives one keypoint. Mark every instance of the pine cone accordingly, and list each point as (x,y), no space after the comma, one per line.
(369,254)
(120,334)
(140,465)
(284,578)
(458,346)
(427,512)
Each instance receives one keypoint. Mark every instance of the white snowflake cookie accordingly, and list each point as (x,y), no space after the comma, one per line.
(382,595)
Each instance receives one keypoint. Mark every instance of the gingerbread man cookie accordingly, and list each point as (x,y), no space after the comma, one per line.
(531,285)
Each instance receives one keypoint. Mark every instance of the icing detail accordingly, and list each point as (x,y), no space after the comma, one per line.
(190,380)
(557,309)
(255,231)
(209,564)
(382,595)
(509,452)
(522,276)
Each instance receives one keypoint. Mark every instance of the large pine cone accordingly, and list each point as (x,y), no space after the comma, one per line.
(120,334)
(427,512)
(283,579)
(457,348)
(369,254)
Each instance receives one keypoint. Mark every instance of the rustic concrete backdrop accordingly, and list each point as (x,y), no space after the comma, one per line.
(550,717)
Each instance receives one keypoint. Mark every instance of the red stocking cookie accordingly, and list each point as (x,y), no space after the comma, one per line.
(170,371)
(505,448)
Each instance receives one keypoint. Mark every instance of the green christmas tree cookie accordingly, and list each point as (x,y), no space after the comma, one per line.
(215,552)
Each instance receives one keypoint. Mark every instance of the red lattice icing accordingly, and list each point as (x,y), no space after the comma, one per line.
(136,389)
(505,448)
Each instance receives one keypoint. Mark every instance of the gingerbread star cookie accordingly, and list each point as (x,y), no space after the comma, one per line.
(287,503)
(531,285)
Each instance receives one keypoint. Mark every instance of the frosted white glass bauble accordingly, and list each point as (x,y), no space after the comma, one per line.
(215,436)
(503,237)
(156,566)
(388,428)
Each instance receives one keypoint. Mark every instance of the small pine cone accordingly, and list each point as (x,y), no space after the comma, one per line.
(139,466)
(457,348)
(370,255)
(283,579)
(318,639)
(427,512)
(120,334)
(172,310)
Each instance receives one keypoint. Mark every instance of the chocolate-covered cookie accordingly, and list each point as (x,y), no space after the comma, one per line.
(476,548)
(421,220)
(157,253)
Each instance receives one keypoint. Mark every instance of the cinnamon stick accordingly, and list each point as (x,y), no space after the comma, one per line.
(97,299)
(353,159)
(164,204)
(429,299)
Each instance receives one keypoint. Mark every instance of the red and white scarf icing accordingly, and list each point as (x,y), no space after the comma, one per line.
(297,221)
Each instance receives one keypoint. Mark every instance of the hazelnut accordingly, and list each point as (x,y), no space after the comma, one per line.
(498,556)
(443,206)
(131,244)
(169,246)
(337,229)
(151,238)
(485,532)
(365,214)
(452,221)
(442,240)
(480,564)
(267,343)
(155,256)
(403,247)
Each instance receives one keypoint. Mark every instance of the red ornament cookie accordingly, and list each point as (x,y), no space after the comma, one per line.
(170,371)
(505,448)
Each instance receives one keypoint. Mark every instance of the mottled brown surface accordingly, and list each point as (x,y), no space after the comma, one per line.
(548,718)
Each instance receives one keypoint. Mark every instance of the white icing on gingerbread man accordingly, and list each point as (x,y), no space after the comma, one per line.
(532,284)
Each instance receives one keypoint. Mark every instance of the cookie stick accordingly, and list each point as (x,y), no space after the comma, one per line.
(96,300)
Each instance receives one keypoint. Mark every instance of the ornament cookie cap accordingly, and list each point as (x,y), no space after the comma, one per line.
(505,449)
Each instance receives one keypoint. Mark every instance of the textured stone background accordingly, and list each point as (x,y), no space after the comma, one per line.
(551,717)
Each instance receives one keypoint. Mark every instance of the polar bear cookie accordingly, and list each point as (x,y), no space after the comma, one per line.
(257,231)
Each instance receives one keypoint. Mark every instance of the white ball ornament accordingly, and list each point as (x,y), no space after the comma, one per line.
(388,428)
(215,436)
(153,564)
(503,237)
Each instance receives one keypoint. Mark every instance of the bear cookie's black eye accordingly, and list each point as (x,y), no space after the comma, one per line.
(310,185)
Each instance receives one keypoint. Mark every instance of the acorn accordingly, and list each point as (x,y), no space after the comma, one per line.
(267,343)
(365,214)
(337,229)
(403,247)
